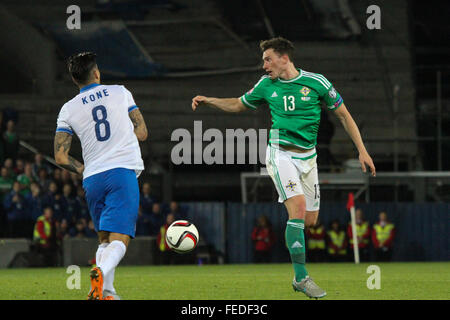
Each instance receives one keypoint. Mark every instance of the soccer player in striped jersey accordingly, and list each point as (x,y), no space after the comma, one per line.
(294,97)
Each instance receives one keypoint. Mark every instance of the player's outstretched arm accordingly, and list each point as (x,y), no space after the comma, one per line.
(225,104)
(62,144)
(140,128)
(353,131)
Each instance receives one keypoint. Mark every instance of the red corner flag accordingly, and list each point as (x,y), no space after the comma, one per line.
(350,201)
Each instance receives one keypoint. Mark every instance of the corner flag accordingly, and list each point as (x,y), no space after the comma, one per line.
(351,208)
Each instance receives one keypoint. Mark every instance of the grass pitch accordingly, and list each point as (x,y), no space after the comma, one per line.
(235,282)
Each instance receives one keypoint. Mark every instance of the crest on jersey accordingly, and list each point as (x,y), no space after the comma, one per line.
(305,91)
(291,185)
(332,93)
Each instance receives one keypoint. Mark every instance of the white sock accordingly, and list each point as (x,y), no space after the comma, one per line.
(110,258)
(108,282)
(98,254)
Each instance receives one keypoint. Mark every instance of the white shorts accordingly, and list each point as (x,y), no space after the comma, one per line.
(294,174)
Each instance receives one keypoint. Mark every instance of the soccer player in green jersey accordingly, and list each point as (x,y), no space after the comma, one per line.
(294,97)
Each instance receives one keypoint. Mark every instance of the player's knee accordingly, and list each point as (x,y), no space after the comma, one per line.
(296,207)
(103,236)
(311,218)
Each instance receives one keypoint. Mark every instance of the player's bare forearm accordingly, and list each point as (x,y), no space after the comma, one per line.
(140,128)
(62,144)
(73,165)
(224,104)
(352,129)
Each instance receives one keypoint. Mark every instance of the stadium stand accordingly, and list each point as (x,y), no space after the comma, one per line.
(216,53)
(364,71)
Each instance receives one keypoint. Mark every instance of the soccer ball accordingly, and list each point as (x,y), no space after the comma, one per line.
(182,236)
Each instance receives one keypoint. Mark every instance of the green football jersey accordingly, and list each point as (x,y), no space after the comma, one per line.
(295,106)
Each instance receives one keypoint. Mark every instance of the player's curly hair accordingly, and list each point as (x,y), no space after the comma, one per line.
(279,44)
(80,66)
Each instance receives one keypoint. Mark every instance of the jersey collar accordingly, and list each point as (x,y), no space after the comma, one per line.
(89,86)
(293,79)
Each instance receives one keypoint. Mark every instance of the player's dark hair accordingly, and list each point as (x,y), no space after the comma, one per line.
(279,44)
(80,66)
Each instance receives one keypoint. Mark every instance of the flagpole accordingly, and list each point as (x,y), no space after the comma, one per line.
(351,207)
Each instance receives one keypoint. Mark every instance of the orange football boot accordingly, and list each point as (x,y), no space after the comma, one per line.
(96,292)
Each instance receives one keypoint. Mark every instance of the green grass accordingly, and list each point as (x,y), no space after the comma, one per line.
(247,281)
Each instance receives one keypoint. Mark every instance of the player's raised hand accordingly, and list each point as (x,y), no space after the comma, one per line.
(196,101)
(364,159)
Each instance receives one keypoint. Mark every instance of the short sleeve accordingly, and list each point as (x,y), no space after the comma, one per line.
(255,97)
(130,100)
(62,123)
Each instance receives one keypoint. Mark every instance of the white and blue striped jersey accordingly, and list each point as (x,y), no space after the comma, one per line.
(98,115)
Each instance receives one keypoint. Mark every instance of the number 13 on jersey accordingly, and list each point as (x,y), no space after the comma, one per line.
(289,103)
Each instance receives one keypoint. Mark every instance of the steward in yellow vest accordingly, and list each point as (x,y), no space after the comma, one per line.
(43,229)
(44,238)
(337,242)
(383,233)
(316,242)
(362,233)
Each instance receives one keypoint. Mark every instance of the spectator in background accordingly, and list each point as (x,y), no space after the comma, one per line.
(40,164)
(337,243)
(62,230)
(8,114)
(75,180)
(90,230)
(362,234)
(44,237)
(79,231)
(383,233)
(68,205)
(5,187)
(20,167)
(143,223)
(82,210)
(56,177)
(156,219)
(66,178)
(166,255)
(6,182)
(316,242)
(42,179)
(146,199)
(10,141)
(175,209)
(26,179)
(16,215)
(263,239)
(52,199)
(9,165)
(35,201)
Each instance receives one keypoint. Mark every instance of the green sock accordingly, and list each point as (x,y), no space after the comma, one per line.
(295,242)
